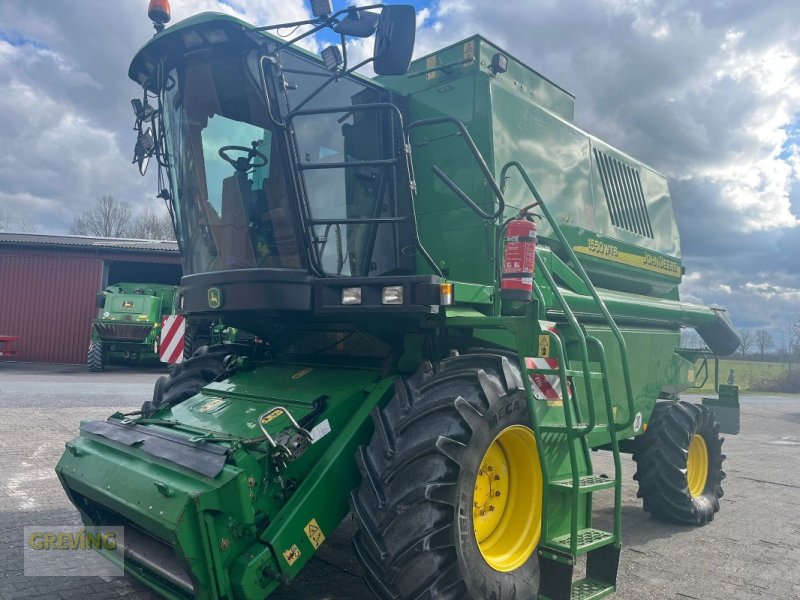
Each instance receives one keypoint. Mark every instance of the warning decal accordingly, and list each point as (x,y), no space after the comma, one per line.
(292,554)
(544,345)
(314,533)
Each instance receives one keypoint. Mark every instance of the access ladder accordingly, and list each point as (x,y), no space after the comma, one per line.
(559,550)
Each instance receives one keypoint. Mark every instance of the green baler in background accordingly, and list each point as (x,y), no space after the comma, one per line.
(418,371)
(128,323)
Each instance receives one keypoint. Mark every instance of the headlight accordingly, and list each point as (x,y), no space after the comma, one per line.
(351,295)
(392,294)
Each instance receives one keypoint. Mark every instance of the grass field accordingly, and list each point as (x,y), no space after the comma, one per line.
(748,374)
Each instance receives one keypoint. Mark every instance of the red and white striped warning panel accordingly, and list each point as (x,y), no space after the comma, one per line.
(173,329)
(545,387)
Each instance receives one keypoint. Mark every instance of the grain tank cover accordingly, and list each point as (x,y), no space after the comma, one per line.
(615,211)
(477,54)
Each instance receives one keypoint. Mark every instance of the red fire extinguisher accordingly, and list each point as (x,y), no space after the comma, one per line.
(519,258)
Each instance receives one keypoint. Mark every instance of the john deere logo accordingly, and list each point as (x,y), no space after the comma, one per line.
(214,297)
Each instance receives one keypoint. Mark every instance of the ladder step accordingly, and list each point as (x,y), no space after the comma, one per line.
(579,373)
(590,589)
(570,373)
(586,484)
(575,427)
(588,539)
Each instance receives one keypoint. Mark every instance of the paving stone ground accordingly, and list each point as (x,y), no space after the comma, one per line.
(750,551)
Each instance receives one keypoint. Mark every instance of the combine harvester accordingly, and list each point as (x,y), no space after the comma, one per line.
(461,294)
(128,323)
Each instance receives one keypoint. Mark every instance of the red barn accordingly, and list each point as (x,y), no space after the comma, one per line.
(48,285)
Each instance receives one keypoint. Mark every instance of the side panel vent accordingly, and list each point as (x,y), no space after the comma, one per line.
(623,189)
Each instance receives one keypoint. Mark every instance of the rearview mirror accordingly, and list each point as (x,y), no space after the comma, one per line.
(394,39)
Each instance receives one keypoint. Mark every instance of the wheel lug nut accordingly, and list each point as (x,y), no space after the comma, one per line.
(491,468)
(497,477)
(497,494)
(491,508)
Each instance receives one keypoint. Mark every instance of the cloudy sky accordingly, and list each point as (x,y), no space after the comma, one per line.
(707,92)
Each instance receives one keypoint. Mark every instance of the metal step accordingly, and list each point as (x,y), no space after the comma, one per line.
(570,373)
(590,589)
(588,539)
(586,484)
(575,427)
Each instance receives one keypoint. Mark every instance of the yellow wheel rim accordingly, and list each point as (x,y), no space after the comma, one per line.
(507,502)
(697,466)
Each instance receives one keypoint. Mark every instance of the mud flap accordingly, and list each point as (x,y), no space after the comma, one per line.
(726,408)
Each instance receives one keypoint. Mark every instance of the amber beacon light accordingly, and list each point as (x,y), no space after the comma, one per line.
(158,12)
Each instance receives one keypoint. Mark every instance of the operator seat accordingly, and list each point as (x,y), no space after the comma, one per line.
(233,236)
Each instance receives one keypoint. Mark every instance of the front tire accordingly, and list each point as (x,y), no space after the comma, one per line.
(94,359)
(450,501)
(195,340)
(679,464)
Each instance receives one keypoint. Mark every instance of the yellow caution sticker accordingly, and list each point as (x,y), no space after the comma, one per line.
(314,533)
(469,50)
(302,373)
(271,417)
(544,345)
(430,63)
(212,405)
(292,554)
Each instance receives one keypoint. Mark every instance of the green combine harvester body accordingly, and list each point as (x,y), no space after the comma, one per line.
(362,236)
(128,323)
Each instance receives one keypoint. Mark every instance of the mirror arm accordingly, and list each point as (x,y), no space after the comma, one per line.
(318,26)
(344,53)
(286,25)
(334,18)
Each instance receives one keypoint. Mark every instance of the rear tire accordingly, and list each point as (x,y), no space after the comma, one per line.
(679,464)
(185,380)
(94,359)
(421,475)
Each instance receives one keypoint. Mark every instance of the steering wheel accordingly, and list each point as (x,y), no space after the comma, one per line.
(243,164)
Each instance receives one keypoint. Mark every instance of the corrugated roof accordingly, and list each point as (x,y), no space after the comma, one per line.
(85,242)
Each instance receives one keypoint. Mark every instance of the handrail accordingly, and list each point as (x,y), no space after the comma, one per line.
(582,273)
(464,133)
(585,430)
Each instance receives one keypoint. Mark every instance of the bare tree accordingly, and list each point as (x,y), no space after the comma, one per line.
(108,218)
(25,223)
(763,341)
(747,341)
(152,225)
(794,338)
(17,221)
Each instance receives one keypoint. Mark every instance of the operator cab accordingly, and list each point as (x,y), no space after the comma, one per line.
(289,179)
